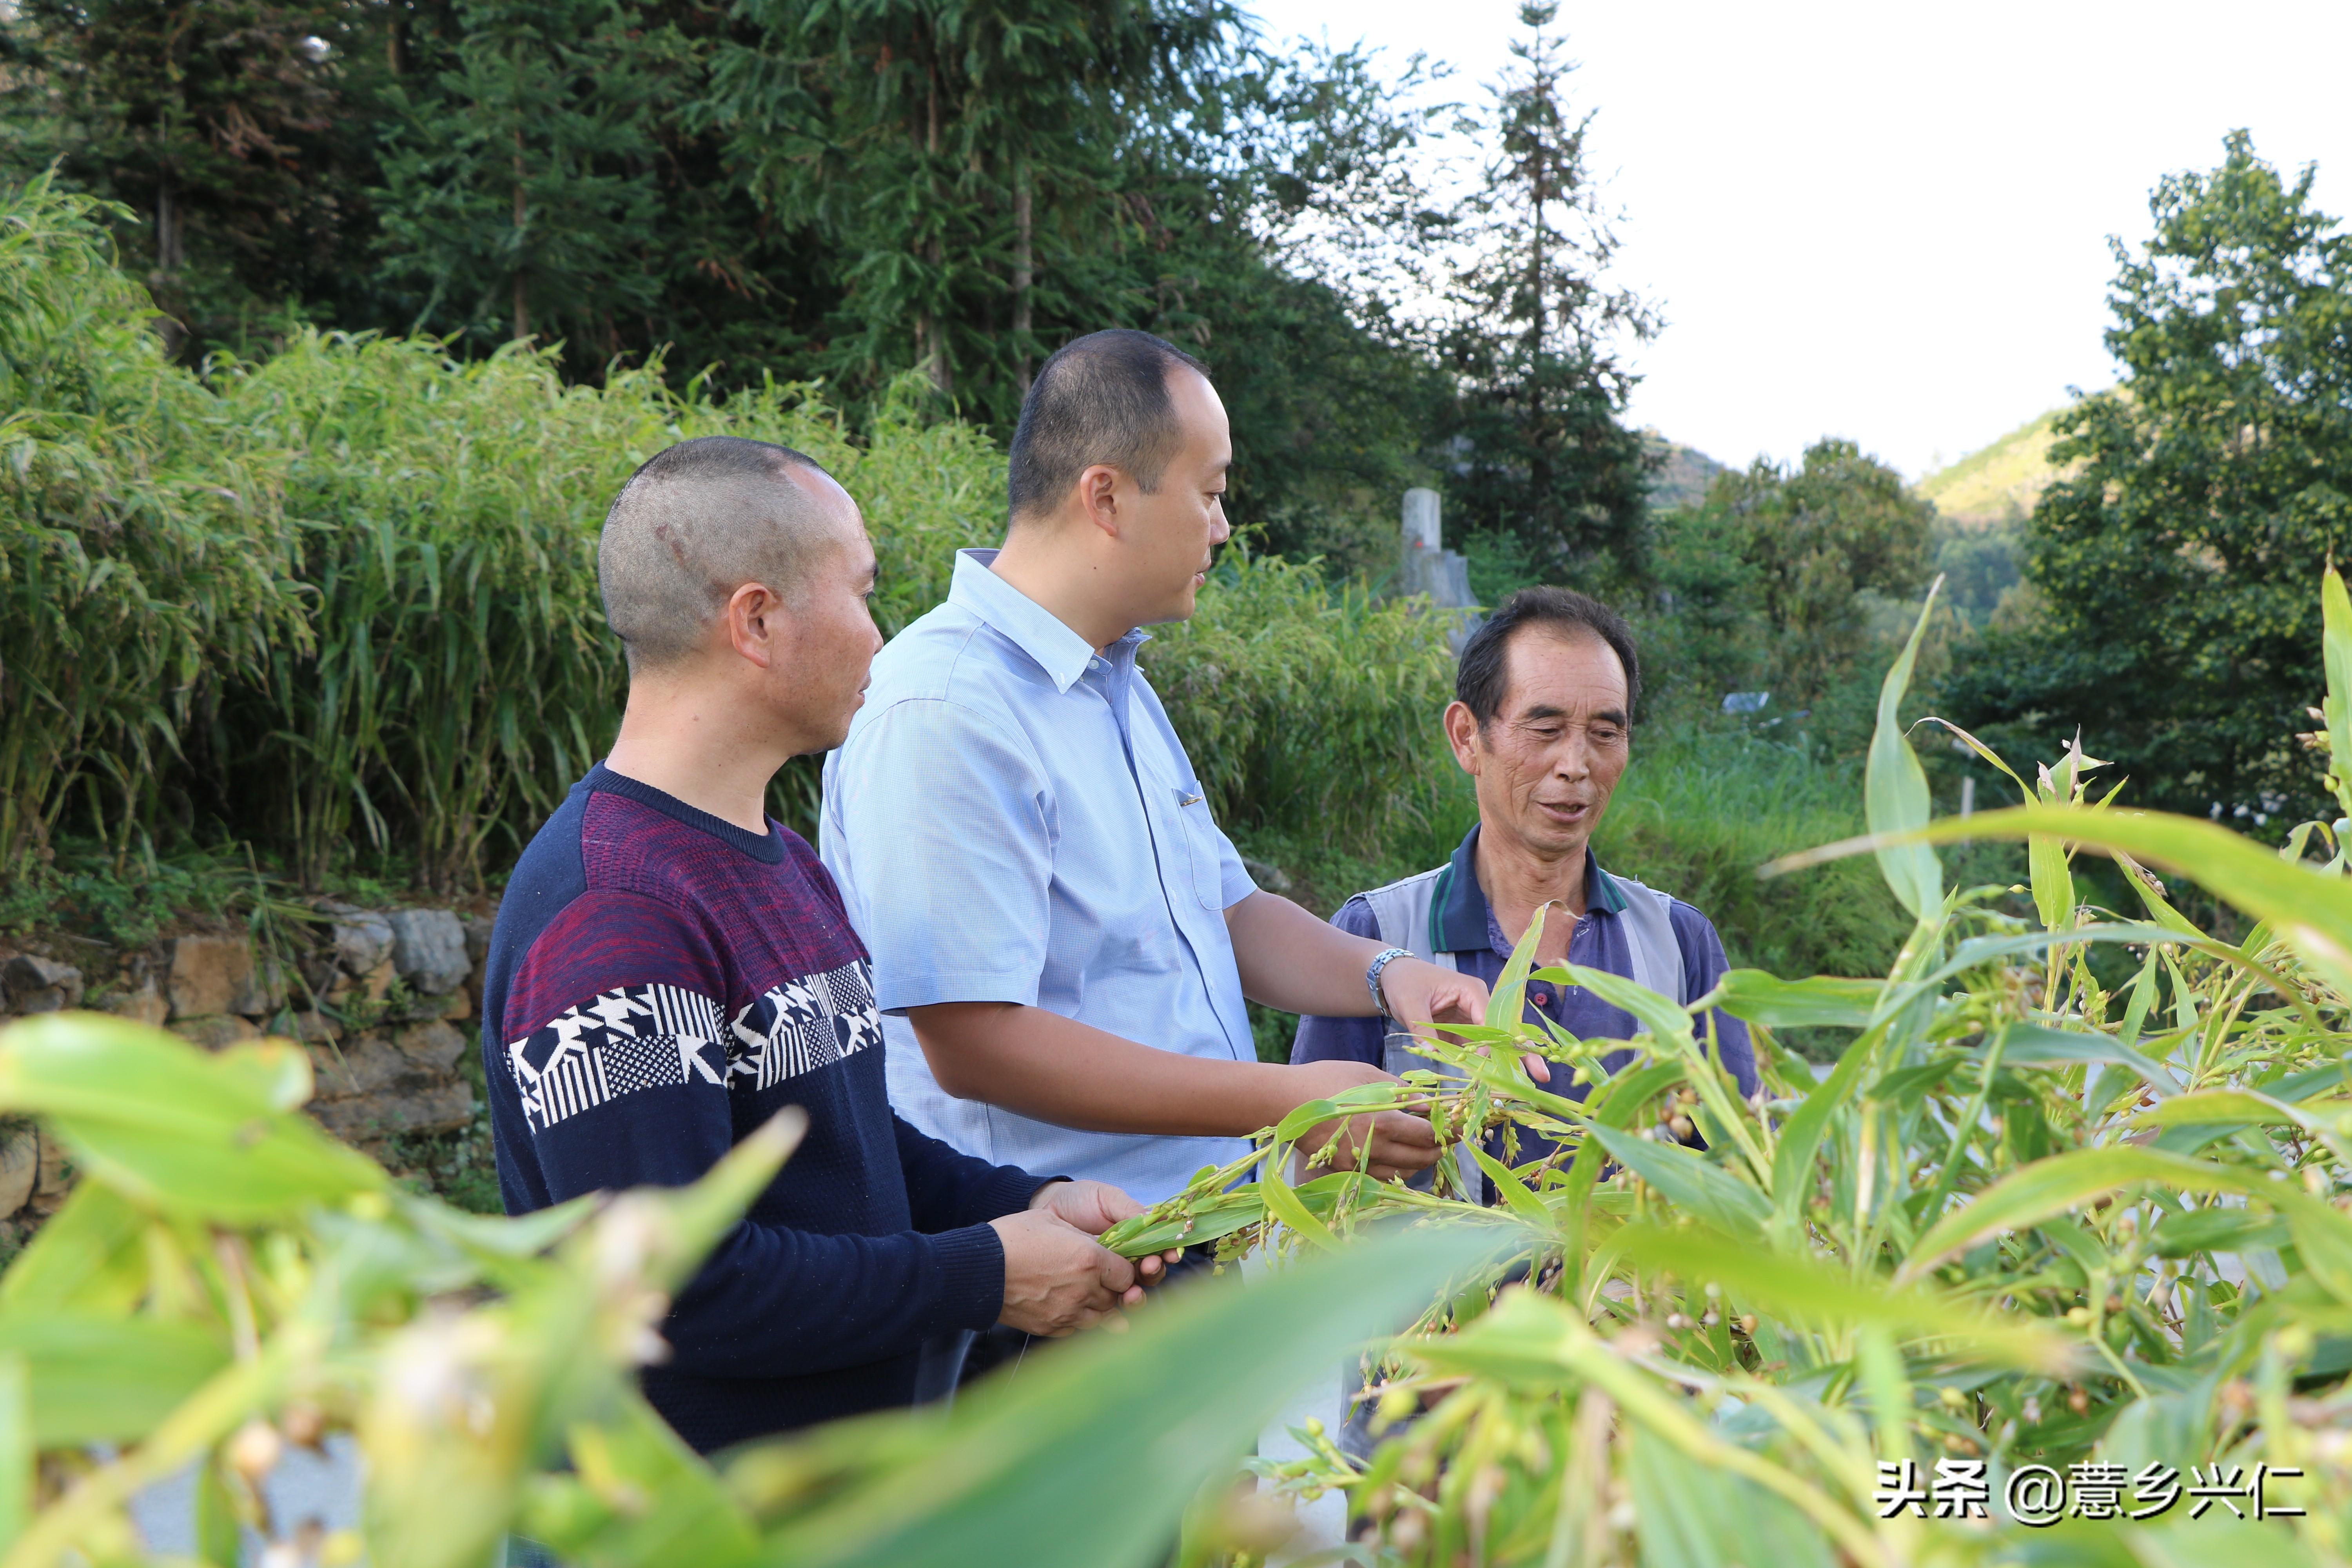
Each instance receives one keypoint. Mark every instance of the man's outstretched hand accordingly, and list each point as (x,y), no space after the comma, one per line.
(1383,1144)
(1420,993)
(1057,1279)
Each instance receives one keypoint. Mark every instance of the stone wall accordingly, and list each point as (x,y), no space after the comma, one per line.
(384,1000)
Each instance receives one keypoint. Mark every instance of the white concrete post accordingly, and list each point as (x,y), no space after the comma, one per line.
(1421,524)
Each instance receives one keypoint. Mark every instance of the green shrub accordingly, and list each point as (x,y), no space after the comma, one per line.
(141,544)
(1704,805)
(1310,711)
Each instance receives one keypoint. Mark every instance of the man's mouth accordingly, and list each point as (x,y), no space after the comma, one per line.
(1566,810)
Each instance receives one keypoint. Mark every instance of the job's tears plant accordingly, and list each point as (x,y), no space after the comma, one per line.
(2071,1198)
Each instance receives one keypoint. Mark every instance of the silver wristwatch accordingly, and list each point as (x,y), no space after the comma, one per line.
(1373,980)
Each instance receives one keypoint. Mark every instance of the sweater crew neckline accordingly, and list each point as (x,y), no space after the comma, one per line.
(767,848)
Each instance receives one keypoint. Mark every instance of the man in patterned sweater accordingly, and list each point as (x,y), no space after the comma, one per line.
(670,968)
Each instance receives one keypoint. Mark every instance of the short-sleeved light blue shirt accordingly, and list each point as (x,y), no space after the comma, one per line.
(1013,819)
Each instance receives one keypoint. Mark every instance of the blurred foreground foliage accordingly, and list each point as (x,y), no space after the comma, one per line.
(226,1282)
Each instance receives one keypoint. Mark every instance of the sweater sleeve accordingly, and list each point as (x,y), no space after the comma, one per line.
(617,1056)
(946,1188)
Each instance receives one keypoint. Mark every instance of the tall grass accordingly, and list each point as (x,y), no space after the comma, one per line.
(141,560)
(1310,711)
(1705,804)
(342,604)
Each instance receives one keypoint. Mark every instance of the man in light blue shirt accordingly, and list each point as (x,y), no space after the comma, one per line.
(1063,938)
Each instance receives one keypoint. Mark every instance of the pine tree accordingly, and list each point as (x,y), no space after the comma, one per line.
(1536,450)
(223,125)
(967,160)
(520,193)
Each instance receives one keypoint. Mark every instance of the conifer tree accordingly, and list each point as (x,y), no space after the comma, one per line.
(1536,451)
(223,126)
(2169,612)
(519,197)
(968,160)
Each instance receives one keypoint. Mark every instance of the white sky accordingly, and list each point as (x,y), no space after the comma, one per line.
(1887,221)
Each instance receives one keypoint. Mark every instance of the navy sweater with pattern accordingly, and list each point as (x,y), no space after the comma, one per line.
(659,984)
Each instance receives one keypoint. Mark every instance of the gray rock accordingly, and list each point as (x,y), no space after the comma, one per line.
(477,937)
(392,1081)
(208,973)
(20,1167)
(428,949)
(362,937)
(211,1031)
(264,990)
(40,984)
(315,1029)
(145,1005)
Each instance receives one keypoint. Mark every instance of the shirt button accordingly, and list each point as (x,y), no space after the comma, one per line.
(1543,998)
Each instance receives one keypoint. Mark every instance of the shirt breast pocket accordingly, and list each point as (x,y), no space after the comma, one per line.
(1203,843)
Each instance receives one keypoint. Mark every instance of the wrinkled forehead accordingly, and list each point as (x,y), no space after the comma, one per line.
(1562,670)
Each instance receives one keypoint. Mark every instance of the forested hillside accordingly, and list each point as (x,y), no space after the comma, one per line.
(1998,484)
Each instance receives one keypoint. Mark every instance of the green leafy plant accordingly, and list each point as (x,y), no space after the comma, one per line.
(2027,1219)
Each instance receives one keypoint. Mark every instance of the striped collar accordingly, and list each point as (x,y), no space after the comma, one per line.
(1458,912)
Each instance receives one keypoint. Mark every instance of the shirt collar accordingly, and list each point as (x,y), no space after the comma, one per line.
(1460,911)
(1029,625)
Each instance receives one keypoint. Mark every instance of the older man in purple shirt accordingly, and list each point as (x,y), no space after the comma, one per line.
(1542,721)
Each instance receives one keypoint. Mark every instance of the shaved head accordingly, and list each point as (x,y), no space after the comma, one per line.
(700,521)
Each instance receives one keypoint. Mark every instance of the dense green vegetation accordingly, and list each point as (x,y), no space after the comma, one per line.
(338,607)
(836,194)
(326,617)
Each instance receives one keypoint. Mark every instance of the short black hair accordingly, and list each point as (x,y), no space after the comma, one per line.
(1102,398)
(1484,673)
(695,522)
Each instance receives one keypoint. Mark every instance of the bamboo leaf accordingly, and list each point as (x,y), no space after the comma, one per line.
(98,1380)
(2219,1105)
(1800,1139)
(2310,911)
(2336,653)
(1691,1183)
(1821,1001)
(1894,788)
(150,1114)
(1091,1455)
(1282,1203)
(1514,1192)
(1793,1286)
(2035,1045)
(2065,1181)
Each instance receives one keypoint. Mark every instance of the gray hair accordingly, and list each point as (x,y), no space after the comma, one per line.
(1102,398)
(698,521)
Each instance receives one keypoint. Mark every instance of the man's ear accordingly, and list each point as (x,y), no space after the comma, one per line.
(752,621)
(1099,498)
(1462,734)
